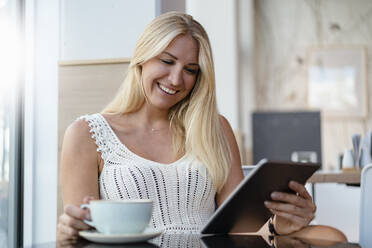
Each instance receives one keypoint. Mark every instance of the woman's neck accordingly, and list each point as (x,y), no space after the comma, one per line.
(151,118)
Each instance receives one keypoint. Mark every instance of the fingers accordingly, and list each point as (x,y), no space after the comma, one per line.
(294,210)
(76,212)
(66,232)
(302,200)
(300,206)
(63,237)
(290,198)
(294,219)
(87,199)
(73,222)
(300,189)
(295,200)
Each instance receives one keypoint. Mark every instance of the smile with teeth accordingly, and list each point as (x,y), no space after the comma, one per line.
(167,90)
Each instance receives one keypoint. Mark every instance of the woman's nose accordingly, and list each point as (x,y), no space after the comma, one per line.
(175,76)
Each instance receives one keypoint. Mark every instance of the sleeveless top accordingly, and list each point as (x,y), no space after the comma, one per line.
(182,192)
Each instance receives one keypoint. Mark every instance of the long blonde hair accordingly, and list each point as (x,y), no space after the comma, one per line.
(195,123)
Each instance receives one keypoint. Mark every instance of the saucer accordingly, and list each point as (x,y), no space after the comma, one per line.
(94,236)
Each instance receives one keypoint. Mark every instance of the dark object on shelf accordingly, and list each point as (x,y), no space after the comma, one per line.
(276,135)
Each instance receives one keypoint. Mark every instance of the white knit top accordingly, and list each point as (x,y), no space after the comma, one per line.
(182,192)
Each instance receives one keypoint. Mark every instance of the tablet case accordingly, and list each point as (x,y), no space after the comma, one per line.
(244,210)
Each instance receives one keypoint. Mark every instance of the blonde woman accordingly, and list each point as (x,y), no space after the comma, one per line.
(162,138)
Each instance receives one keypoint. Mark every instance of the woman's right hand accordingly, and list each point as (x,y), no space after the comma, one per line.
(72,221)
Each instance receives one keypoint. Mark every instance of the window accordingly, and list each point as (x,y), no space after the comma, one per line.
(11,119)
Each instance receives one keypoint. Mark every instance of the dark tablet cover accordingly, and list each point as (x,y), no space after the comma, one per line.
(244,210)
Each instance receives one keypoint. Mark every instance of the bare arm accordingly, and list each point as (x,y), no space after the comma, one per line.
(79,177)
(79,164)
(236,173)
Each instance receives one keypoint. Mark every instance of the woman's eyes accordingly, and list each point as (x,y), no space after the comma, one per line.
(170,62)
(191,71)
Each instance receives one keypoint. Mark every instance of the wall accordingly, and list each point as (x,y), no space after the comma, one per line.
(172,5)
(103,79)
(285,30)
(221,26)
(246,76)
(95,29)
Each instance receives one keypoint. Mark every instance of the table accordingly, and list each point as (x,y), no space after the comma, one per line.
(352,177)
(219,241)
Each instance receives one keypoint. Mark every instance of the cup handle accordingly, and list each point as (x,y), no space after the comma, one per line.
(84,206)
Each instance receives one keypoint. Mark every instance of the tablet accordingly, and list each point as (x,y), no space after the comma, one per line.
(244,210)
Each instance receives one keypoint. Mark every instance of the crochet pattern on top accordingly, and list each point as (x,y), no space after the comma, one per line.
(182,192)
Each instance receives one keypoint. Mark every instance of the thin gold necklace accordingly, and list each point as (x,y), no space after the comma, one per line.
(157,130)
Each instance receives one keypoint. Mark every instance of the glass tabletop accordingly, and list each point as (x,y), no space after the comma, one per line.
(216,241)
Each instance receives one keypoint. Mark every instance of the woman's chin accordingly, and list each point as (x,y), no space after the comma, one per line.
(162,106)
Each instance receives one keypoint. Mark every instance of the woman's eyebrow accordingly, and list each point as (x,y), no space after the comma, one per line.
(174,57)
(171,55)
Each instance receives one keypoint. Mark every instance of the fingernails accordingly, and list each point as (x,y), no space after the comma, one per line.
(275,195)
(267,203)
(292,183)
(87,216)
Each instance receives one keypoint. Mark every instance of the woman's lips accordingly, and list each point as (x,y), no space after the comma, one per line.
(167,90)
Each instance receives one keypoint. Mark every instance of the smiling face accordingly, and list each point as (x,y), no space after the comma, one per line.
(169,77)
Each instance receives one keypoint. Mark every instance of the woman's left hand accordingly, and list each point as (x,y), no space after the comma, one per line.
(292,211)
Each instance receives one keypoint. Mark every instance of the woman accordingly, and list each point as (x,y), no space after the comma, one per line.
(162,138)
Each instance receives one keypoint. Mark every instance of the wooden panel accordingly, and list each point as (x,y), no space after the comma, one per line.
(336,177)
(85,88)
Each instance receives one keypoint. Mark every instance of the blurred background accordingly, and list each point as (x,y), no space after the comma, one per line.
(293,79)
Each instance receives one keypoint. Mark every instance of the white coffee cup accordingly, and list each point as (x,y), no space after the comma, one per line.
(119,216)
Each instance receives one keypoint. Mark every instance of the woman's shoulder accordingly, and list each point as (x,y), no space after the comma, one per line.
(226,127)
(79,125)
(89,124)
(79,150)
(96,132)
(229,134)
(78,133)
